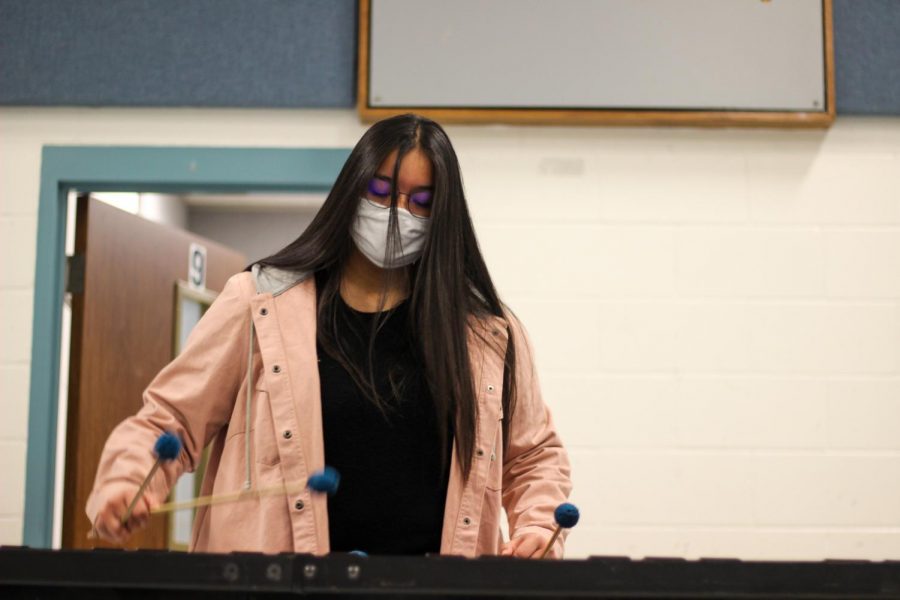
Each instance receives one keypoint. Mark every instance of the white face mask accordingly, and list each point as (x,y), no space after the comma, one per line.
(370,232)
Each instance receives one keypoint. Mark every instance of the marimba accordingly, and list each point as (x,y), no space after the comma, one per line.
(30,573)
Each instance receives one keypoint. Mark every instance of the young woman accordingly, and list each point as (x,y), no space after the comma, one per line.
(374,343)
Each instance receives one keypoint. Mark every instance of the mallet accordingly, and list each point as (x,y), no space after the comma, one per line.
(167,447)
(566,516)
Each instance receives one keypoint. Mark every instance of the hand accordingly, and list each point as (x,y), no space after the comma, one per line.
(527,545)
(108,522)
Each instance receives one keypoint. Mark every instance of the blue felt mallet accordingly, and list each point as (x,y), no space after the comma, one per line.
(166,448)
(325,481)
(566,516)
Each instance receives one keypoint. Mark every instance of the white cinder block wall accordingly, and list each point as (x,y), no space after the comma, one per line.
(716,314)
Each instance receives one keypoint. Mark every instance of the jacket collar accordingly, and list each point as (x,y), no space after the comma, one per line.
(275,280)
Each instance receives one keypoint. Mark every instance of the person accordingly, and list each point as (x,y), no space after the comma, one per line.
(375,343)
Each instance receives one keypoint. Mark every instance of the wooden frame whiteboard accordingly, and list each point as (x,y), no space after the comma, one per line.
(372,111)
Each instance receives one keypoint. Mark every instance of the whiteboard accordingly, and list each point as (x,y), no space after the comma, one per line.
(734,55)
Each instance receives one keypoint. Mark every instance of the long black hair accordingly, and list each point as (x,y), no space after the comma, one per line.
(450,284)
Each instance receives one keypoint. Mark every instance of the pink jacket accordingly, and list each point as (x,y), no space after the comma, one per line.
(254,354)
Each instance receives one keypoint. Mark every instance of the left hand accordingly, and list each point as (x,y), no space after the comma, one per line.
(528,545)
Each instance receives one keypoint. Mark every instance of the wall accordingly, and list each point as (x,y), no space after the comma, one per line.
(716,313)
(867,57)
(256,234)
(225,53)
(269,53)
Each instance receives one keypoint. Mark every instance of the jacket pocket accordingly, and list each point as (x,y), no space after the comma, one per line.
(264,442)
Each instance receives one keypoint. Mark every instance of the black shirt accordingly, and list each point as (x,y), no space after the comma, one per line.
(393,473)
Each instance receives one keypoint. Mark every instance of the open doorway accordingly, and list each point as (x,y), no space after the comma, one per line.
(170,170)
(132,295)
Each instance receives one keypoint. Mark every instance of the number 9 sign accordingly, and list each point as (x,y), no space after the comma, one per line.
(197,267)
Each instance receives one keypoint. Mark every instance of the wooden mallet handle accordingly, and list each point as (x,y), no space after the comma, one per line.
(140,491)
(226,498)
(551,542)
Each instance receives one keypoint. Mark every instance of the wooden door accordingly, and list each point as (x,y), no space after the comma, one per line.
(122,336)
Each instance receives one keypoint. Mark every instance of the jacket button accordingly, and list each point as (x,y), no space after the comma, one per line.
(298,504)
(479,452)
(495,332)
(287,434)
(467,521)
(490,388)
(276,369)
(264,311)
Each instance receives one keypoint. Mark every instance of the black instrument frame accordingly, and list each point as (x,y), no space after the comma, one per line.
(34,573)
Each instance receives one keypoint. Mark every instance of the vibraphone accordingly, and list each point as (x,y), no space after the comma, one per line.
(27,573)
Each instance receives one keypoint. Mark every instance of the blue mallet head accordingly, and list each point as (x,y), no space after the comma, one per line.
(167,447)
(566,515)
(358,553)
(325,481)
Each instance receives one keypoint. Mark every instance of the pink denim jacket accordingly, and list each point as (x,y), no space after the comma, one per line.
(249,375)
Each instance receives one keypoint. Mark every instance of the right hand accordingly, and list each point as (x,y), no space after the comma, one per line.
(108,522)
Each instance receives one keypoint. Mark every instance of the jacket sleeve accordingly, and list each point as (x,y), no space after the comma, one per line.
(193,396)
(536,471)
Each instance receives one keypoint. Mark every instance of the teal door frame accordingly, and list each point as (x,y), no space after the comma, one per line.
(134,169)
